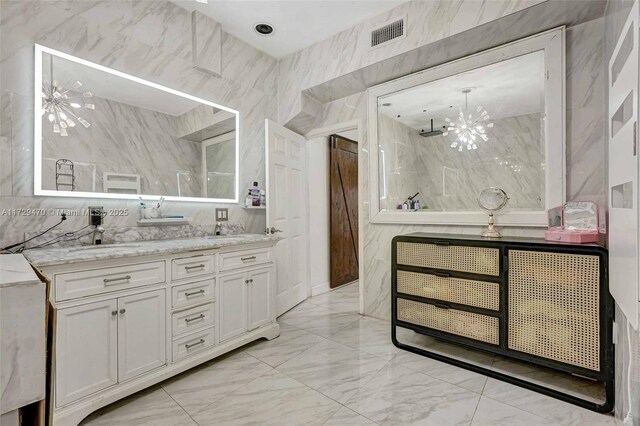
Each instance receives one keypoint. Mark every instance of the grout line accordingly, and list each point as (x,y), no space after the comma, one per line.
(178,404)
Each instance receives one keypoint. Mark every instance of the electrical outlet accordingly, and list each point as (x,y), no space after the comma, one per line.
(96,213)
(222,215)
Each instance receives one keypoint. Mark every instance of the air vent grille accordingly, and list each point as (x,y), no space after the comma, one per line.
(387,33)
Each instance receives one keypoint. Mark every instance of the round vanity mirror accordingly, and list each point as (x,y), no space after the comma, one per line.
(492,199)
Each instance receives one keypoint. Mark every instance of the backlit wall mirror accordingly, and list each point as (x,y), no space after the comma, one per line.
(494,119)
(102,133)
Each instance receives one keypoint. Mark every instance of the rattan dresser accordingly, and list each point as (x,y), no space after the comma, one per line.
(529,299)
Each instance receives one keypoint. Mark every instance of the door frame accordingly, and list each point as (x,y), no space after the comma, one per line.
(326,131)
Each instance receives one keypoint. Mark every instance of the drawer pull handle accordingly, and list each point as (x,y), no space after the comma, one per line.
(442,275)
(109,280)
(193,293)
(441,305)
(199,342)
(199,317)
(189,268)
(114,313)
(245,259)
(123,310)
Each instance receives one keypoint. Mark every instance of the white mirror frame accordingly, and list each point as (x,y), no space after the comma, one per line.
(553,44)
(37,131)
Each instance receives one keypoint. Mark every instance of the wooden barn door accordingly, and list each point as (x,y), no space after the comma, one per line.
(344,210)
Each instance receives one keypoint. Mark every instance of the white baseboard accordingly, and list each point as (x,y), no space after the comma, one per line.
(320,288)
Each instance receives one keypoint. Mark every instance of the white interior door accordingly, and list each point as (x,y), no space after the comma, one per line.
(287,212)
(623,170)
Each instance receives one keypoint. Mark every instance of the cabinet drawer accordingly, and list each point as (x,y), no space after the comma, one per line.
(189,267)
(467,324)
(192,293)
(466,292)
(97,281)
(241,259)
(192,319)
(475,260)
(193,343)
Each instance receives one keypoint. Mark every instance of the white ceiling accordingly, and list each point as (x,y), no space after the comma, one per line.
(297,23)
(504,89)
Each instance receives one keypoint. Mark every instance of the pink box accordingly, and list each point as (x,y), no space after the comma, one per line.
(575,222)
(578,237)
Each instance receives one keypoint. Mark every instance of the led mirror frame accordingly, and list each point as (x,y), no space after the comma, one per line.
(37,151)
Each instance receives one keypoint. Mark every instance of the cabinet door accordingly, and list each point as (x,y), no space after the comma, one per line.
(141,333)
(233,305)
(260,283)
(86,350)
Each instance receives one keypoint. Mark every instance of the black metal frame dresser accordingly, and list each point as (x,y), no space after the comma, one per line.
(528,299)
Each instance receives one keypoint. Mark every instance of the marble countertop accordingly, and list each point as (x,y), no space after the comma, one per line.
(66,255)
(15,270)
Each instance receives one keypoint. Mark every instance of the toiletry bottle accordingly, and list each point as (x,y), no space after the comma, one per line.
(263,197)
(248,202)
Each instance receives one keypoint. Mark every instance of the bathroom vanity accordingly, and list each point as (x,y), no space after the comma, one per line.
(523,298)
(127,316)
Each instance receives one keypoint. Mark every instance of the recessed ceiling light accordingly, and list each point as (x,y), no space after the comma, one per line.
(203,1)
(263,28)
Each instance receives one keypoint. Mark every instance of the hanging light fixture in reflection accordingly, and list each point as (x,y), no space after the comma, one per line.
(61,106)
(469,129)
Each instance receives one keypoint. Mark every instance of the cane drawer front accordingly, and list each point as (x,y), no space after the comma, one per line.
(467,324)
(480,294)
(554,304)
(475,260)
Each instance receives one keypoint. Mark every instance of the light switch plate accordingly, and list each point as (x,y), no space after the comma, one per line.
(222,215)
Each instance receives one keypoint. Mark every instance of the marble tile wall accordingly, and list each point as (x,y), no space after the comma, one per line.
(511,159)
(627,362)
(311,66)
(585,161)
(151,40)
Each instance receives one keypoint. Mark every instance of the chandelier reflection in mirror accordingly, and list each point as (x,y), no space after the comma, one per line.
(59,104)
(469,129)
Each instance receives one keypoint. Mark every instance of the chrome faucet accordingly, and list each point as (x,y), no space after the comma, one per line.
(98,231)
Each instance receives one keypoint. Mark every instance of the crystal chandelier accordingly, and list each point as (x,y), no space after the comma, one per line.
(469,129)
(59,105)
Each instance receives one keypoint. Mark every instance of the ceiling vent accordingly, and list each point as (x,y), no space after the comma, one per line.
(389,31)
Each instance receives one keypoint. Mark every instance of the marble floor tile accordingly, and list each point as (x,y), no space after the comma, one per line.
(472,356)
(583,388)
(200,386)
(449,373)
(400,396)
(347,417)
(152,406)
(319,320)
(273,399)
(344,299)
(550,408)
(291,342)
(333,369)
(494,413)
(368,335)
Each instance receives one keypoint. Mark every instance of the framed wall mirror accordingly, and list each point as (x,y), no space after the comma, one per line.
(101,133)
(493,119)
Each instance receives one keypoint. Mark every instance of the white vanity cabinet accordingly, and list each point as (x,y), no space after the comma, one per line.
(124,324)
(248,311)
(141,333)
(86,350)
